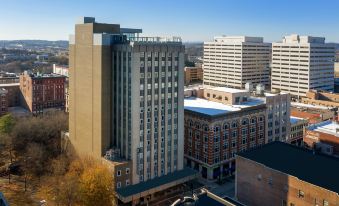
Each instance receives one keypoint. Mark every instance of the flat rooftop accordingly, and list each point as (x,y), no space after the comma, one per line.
(211,199)
(10,84)
(238,39)
(157,184)
(297,104)
(294,120)
(211,108)
(317,169)
(51,75)
(226,89)
(328,127)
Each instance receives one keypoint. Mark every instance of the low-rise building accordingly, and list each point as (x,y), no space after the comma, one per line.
(7,78)
(13,94)
(60,69)
(297,130)
(220,122)
(3,101)
(336,66)
(312,113)
(327,99)
(324,137)
(42,91)
(193,75)
(121,168)
(283,174)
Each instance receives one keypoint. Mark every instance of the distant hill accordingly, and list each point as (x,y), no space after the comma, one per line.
(33,44)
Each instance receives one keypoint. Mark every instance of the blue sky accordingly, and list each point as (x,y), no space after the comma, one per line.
(193,20)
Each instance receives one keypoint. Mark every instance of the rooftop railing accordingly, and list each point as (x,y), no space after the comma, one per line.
(156,39)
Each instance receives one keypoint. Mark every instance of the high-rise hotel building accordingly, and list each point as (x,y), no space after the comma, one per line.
(126,95)
(232,61)
(302,63)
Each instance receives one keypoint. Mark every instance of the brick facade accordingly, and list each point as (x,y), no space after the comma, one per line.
(211,143)
(258,185)
(3,101)
(312,138)
(42,92)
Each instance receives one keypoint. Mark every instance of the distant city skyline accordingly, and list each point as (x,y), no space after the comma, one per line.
(193,20)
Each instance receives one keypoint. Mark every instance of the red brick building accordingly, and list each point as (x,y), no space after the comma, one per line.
(215,132)
(282,174)
(3,101)
(41,92)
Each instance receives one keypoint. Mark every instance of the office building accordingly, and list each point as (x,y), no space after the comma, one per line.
(278,116)
(302,63)
(232,61)
(41,92)
(323,137)
(220,122)
(193,75)
(126,94)
(283,174)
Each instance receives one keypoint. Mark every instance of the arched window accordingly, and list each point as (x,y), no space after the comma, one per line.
(226,126)
(197,125)
(234,124)
(261,118)
(244,121)
(191,123)
(217,128)
(206,129)
(253,120)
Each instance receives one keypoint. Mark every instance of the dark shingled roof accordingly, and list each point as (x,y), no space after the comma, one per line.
(317,169)
(143,186)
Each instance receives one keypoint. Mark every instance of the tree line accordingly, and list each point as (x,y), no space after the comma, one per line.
(33,145)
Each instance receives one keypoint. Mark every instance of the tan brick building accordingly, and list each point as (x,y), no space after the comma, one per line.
(41,92)
(312,113)
(283,174)
(193,75)
(126,94)
(324,137)
(326,99)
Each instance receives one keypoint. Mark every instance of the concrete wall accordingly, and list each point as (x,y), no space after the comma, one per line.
(89,91)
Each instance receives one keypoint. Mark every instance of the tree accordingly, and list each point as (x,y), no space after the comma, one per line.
(36,159)
(61,190)
(45,131)
(97,186)
(87,182)
(7,123)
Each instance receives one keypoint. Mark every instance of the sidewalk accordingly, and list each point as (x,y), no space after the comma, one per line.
(226,189)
